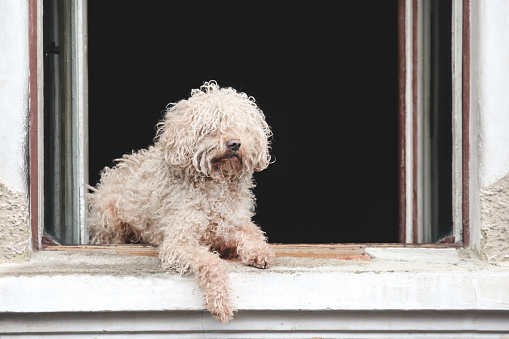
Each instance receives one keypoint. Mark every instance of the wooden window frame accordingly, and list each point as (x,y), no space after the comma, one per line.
(408,213)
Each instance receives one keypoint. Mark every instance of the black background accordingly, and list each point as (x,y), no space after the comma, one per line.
(324,73)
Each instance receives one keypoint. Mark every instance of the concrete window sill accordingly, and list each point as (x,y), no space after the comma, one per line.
(394,279)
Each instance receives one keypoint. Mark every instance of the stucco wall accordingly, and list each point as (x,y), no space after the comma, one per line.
(495,221)
(14,225)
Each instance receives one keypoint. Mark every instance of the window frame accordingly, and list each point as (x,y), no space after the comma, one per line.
(408,13)
(410,110)
(67,97)
(36,156)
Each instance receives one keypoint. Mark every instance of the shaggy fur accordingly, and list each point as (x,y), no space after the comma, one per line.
(190,193)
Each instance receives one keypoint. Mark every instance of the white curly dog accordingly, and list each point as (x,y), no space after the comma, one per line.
(190,193)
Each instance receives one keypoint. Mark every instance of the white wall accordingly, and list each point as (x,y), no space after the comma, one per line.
(489,178)
(490,87)
(14,94)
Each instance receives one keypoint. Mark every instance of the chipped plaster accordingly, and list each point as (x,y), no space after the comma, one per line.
(14,225)
(495,221)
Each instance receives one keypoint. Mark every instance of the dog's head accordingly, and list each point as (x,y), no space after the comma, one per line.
(217,132)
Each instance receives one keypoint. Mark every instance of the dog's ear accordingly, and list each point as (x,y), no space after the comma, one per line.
(263,159)
(262,146)
(174,135)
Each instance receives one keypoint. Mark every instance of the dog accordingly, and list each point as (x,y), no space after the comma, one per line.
(190,193)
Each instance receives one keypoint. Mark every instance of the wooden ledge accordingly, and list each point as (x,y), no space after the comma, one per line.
(318,251)
(321,251)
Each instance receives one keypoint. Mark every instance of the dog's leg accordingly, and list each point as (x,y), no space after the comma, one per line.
(252,246)
(209,269)
(104,222)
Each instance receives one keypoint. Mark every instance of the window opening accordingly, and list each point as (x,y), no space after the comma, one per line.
(326,79)
(325,75)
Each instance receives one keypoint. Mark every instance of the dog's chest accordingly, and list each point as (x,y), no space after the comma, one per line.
(222,210)
(217,202)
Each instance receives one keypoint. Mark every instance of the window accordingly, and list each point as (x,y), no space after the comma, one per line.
(326,75)
(65,123)
(431,122)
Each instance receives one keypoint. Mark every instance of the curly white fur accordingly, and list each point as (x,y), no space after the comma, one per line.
(190,193)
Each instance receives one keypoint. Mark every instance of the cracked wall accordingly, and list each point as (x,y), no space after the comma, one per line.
(14,225)
(495,221)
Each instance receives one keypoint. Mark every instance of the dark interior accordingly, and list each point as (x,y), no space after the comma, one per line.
(324,73)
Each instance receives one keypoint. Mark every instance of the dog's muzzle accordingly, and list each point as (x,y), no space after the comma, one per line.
(229,163)
(233,144)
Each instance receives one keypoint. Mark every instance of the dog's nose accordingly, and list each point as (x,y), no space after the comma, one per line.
(233,144)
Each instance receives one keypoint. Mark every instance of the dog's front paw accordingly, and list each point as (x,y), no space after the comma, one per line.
(222,315)
(260,259)
(221,307)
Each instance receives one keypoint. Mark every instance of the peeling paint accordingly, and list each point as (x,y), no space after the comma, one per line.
(14,225)
(495,221)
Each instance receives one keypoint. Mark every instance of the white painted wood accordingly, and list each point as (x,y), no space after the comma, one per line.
(457,122)
(409,122)
(70,123)
(40,122)
(79,102)
(425,219)
(81,108)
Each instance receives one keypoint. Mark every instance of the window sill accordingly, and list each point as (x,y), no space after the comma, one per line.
(395,279)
